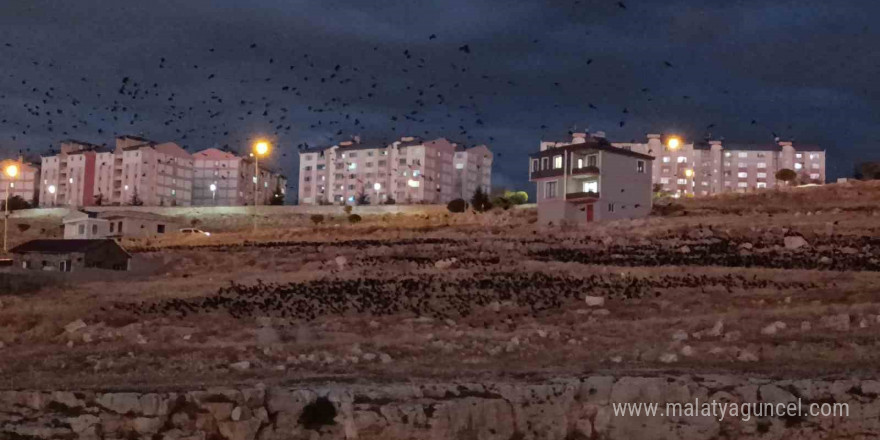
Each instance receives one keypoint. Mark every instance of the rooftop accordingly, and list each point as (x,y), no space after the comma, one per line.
(50,246)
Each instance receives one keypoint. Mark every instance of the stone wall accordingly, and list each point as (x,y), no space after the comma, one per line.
(560,409)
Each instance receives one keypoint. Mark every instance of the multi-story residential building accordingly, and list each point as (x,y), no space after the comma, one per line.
(473,169)
(67,179)
(25,184)
(588,180)
(407,171)
(224,179)
(714,166)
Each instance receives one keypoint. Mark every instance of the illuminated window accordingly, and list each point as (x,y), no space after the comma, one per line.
(743,154)
(590,187)
(557,162)
(742,175)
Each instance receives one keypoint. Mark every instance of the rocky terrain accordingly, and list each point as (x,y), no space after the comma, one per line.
(775,288)
(561,409)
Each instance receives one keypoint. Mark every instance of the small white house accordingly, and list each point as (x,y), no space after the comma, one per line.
(116,224)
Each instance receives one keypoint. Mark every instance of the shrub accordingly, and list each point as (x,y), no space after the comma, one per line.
(22,227)
(347,209)
(317,219)
(457,205)
(390,201)
(317,414)
(786,175)
(354,218)
(518,198)
(502,202)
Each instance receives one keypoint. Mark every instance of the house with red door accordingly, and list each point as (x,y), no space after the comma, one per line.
(588,180)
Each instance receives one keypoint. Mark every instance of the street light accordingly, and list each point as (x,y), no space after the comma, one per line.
(54,192)
(689,173)
(214,193)
(261,148)
(377,186)
(11,171)
(673,143)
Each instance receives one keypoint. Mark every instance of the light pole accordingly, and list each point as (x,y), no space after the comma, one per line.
(11,171)
(377,186)
(214,193)
(70,191)
(261,148)
(54,192)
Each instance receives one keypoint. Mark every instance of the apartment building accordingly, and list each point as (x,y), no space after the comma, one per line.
(473,169)
(67,179)
(715,166)
(409,170)
(588,180)
(25,184)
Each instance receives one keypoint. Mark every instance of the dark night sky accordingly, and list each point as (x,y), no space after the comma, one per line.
(89,69)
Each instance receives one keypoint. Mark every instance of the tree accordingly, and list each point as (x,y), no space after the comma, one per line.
(786,175)
(519,197)
(354,218)
(457,205)
(317,219)
(15,203)
(480,200)
(362,198)
(135,200)
(390,201)
(23,227)
(347,209)
(867,171)
(277,196)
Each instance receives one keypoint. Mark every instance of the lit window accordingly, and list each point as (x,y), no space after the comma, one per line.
(742,184)
(799,155)
(682,159)
(726,154)
(762,184)
(742,175)
(743,154)
(590,187)
(762,165)
(666,159)
(664,180)
(815,166)
(682,181)
(798,166)
(460,166)
(814,176)
(413,183)
(352,166)
(762,175)
(557,162)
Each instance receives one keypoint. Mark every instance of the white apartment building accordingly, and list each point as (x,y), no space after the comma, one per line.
(473,169)
(409,170)
(714,166)
(67,179)
(224,179)
(25,184)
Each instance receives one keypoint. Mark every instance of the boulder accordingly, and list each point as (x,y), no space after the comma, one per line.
(594,301)
(793,242)
(72,327)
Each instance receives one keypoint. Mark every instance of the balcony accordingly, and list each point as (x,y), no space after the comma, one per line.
(585,171)
(541,174)
(582,196)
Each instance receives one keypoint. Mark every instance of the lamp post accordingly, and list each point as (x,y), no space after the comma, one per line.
(214,193)
(673,143)
(70,191)
(54,192)
(377,186)
(261,148)
(11,171)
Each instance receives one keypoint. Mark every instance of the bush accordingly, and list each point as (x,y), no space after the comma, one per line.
(23,227)
(317,414)
(317,219)
(347,209)
(390,201)
(457,205)
(502,202)
(786,175)
(354,218)
(518,198)
(480,200)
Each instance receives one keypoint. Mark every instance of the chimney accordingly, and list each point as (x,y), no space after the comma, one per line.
(578,138)
(599,134)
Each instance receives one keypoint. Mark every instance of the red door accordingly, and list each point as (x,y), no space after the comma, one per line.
(589,212)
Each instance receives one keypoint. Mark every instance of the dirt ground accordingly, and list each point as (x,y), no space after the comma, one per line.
(705,285)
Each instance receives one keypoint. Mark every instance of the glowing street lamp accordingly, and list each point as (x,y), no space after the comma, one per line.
(11,171)
(261,148)
(214,193)
(673,143)
(54,192)
(689,173)
(377,186)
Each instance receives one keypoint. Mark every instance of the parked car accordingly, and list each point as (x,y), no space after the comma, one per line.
(195,231)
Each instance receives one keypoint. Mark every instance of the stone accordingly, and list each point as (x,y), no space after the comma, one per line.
(445,263)
(240,366)
(687,351)
(147,425)
(244,430)
(385,358)
(236,414)
(773,328)
(679,335)
(746,246)
(717,329)
(82,422)
(746,356)
(836,322)
(793,242)
(668,358)
(826,260)
(341,261)
(594,301)
(72,327)
(120,403)
(774,394)
(684,250)
(871,387)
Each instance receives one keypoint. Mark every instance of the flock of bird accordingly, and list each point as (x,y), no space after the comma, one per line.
(439,295)
(198,103)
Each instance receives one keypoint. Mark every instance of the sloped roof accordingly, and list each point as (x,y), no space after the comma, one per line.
(50,246)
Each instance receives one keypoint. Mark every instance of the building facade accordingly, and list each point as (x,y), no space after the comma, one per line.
(473,169)
(25,184)
(589,180)
(715,166)
(71,255)
(224,179)
(406,171)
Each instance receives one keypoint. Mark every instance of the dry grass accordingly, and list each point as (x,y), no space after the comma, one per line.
(134,339)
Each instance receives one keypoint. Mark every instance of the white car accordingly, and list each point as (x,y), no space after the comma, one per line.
(194,231)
